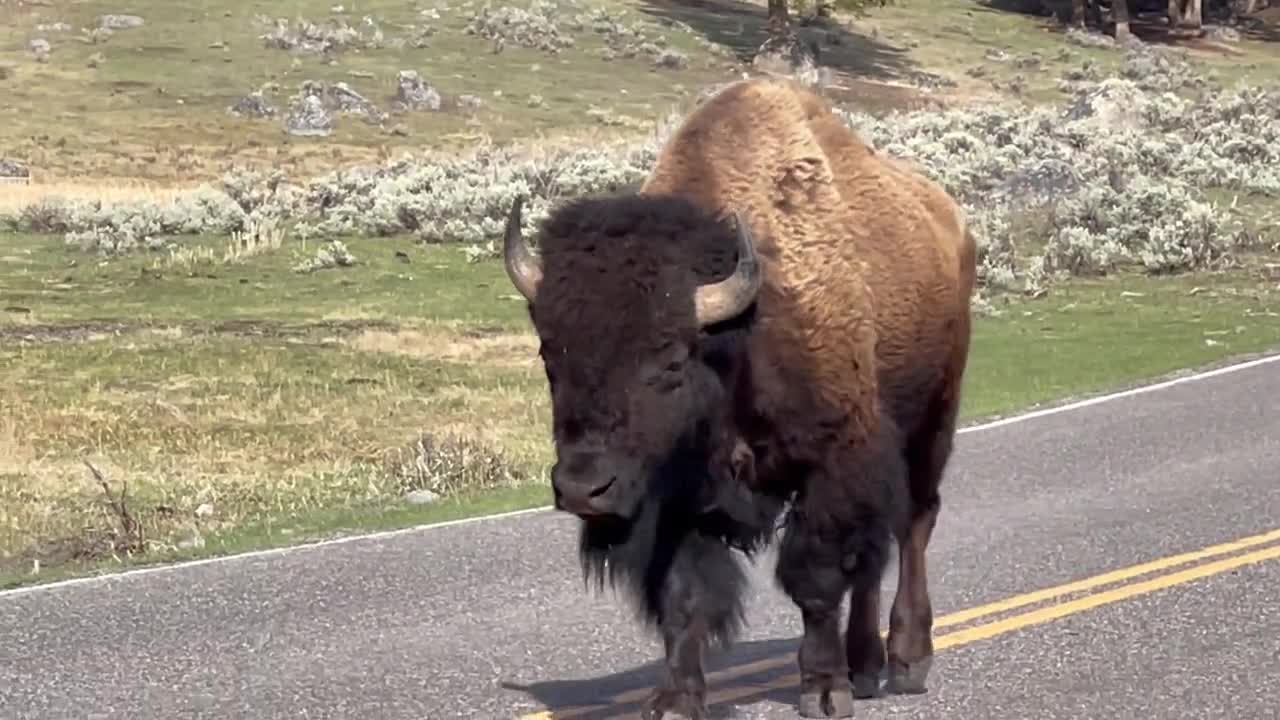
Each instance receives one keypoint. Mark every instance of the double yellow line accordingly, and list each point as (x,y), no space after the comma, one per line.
(1260,549)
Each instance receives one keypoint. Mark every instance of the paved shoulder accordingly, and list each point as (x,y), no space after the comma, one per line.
(492,619)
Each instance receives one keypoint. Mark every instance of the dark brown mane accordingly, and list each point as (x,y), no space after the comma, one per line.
(664,228)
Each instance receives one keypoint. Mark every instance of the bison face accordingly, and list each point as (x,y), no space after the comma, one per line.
(636,399)
(635,429)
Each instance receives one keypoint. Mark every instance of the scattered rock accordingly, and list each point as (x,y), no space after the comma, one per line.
(1221,33)
(308,117)
(1028,62)
(789,56)
(347,100)
(13,168)
(672,59)
(420,497)
(119,22)
(53,27)
(253,105)
(470,103)
(413,93)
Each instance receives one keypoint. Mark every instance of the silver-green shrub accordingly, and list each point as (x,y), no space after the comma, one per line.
(1115,177)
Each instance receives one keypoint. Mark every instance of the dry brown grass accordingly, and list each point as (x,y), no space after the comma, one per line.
(252,427)
(107,191)
(513,350)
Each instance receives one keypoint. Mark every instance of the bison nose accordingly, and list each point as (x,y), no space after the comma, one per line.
(584,484)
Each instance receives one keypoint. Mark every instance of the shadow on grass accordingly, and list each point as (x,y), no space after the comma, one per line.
(1148,22)
(760,668)
(863,64)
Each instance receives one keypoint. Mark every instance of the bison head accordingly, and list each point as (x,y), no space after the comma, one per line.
(630,297)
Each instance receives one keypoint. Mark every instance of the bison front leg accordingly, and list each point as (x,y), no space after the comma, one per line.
(828,547)
(700,602)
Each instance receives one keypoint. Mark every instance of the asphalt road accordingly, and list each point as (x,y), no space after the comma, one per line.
(491,619)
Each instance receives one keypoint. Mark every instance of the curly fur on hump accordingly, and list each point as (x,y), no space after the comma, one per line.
(868,265)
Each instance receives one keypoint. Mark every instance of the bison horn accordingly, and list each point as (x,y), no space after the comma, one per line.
(719,301)
(523,267)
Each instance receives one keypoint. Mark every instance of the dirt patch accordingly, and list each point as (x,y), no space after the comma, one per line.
(504,349)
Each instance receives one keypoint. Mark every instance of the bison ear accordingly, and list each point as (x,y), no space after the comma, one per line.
(523,267)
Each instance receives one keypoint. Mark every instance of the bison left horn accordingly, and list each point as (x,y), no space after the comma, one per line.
(523,267)
(719,301)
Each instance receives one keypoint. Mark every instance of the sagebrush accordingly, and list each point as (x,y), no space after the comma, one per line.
(1114,178)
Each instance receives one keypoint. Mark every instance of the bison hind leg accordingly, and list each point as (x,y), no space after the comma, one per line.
(910,646)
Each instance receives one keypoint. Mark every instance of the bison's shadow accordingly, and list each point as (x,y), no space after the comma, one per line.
(776,658)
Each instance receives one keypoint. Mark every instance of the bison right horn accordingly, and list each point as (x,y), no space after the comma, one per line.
(719,301)
(523,267)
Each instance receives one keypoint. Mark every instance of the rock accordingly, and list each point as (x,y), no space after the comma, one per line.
(204,510)
(53,27)
(96,59)
(789,56)
(420,497)
(1110,105)
(347,100)
(673,59)
(13,168)
(119,22)
(39,46)
(1221,33)
(414,93)
(470,102)
(308,117)
(254,105)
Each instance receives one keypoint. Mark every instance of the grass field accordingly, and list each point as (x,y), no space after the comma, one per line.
(245,402)
(151,101)
(206,397)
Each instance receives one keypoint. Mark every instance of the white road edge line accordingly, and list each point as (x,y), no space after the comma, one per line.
(1022,417)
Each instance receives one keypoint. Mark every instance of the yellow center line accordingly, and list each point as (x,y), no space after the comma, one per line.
(999,627)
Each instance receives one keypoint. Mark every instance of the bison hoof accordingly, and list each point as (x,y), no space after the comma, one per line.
(673,705)
(909,679)
(865,685)
(833,704)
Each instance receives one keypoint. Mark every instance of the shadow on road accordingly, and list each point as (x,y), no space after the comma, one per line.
(754,670)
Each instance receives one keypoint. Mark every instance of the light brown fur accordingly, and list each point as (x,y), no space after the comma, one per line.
(868,265)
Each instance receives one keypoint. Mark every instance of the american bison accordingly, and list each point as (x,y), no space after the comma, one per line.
(780,315)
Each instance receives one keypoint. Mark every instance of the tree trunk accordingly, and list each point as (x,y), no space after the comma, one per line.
(1077,12)
(1192,14)
(779,20)
(1120,13)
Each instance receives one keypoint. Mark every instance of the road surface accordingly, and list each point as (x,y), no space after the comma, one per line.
(490,619)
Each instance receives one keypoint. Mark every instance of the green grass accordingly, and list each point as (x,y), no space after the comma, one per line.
(280,401)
